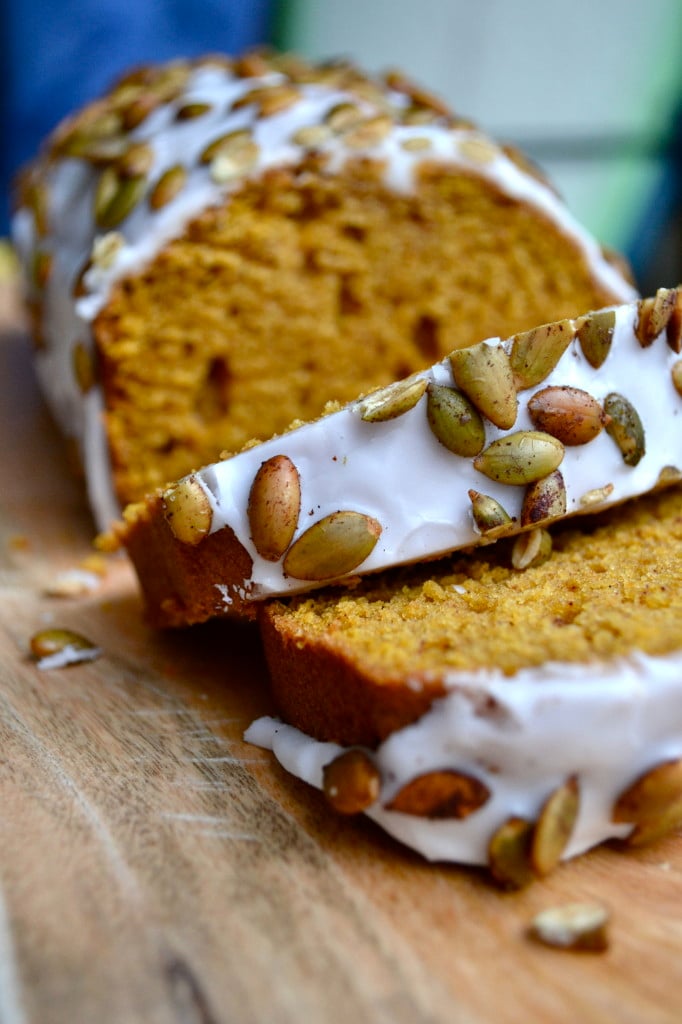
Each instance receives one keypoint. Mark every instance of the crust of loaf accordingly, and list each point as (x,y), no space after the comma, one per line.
(178,581)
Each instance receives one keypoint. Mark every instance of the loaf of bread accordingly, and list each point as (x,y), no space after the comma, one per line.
(500,437)
(493,716)
(218,247)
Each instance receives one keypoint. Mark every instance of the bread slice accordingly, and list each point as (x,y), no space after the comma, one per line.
(218,247)
(500,438)
(493,716)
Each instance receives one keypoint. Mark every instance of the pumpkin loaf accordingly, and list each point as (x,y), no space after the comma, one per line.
(501,437)
(218,247)
(493,716)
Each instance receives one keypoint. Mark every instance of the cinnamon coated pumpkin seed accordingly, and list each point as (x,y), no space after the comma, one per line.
(332,547)
(392,401)
(535,353)
(488,513)
(509,854)
(188,511)
(554,827)
(483,372)
(653,315)
(351,782)
(595,334)
(274,506)
(625,427)
(674,329)
(569,414)
(653,803)
(544,499)
(520,458)
(454,420)
(168,186)
(444,793)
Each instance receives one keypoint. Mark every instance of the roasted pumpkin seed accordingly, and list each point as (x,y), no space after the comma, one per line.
(274,506)
(625,427)
(520,458)
(483,372)
(333,546)
(454,420)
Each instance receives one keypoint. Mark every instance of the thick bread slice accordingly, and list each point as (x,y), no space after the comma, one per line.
(502,717)
(501,437)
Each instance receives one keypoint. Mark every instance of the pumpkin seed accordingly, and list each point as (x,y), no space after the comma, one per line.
(674,328)
(274,506)
(597,496)
(483,372)
(595,334)
(488,513)
(535,353)
(653,315)
(544,499)
(573,926)
(190,111)
(137,161)
(625,427)
(651,795)
(569,414)
(392,401)
(312,135)
(115,199)
(188,511)
(168,186)
(554,827)
(52,641)
(520,458)
(351,782)
(509,854)
(441,794)
(531,549)
(332,547)
(455,422)
(230,143)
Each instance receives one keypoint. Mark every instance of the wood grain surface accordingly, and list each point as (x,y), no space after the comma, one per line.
(155,868)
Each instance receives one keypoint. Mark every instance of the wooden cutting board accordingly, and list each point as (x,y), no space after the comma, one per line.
(155,868)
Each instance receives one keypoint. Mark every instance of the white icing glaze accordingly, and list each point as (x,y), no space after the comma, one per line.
(605,723)
(400,474)
(143,233)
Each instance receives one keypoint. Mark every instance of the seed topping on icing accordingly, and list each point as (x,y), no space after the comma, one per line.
(484,373)
(274,506)
(488,513)
(554,827)
(393,400)
(653,803)
(570,414)
(454,420)
(441,794)
(520,458)
(625,427)
(333,546)
(188,511)
(595,334)
(351,782)
(535,353)
(544,499)
(509,854)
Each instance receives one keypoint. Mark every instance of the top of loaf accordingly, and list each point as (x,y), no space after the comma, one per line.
(123,176)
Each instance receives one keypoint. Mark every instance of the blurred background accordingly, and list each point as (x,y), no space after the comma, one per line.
(590,90)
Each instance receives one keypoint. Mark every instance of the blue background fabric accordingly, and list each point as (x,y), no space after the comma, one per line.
(58,54)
